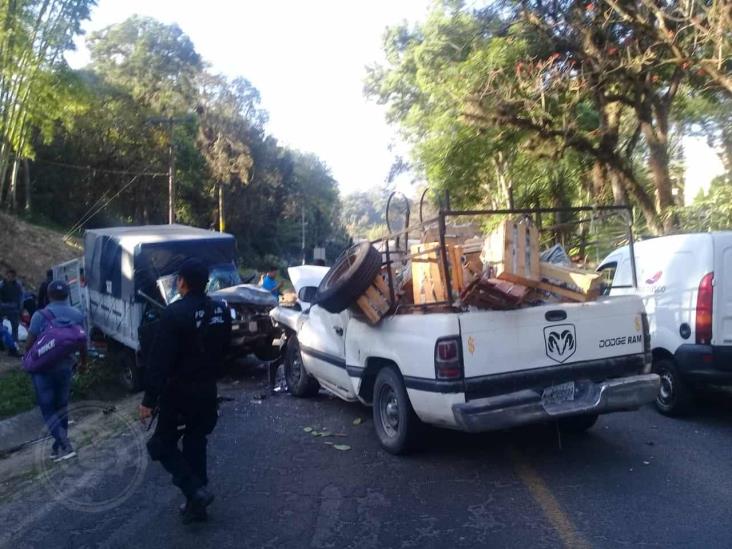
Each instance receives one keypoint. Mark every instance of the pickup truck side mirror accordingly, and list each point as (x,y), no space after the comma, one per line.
(307,294)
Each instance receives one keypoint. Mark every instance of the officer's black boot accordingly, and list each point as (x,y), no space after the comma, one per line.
(194,510)
(189,513)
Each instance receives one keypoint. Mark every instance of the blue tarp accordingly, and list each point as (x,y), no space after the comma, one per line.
(119,261)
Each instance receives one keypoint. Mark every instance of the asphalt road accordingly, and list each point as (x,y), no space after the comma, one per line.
(636,479)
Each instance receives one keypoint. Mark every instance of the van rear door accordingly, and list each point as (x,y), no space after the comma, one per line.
(722,311)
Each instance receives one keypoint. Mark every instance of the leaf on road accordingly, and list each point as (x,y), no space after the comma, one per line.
(341,447)
(329,443)
(308,429)
(358,421)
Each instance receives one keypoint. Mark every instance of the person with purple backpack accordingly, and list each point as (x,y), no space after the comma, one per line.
(52,383)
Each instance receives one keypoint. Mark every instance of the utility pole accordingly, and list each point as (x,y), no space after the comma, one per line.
(171,177)
(303,233)
(170,122)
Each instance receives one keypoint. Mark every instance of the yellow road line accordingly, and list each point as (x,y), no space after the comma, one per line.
(548,503)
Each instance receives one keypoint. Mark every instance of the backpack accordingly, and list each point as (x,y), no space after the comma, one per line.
(53,345)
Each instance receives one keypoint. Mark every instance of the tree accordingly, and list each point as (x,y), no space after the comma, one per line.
(228,113)
(107,163)
(530,79)
(157,64)
(33,36)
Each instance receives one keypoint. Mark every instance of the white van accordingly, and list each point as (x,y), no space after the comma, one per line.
(686,285)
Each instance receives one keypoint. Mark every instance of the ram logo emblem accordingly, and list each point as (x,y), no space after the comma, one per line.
(560,341)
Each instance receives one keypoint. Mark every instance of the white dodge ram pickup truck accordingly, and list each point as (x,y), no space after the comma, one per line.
(474,371)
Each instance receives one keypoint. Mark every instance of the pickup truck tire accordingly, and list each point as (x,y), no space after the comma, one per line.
(396,424)
(348,278)
(300,383)
(674,396)
(577,424)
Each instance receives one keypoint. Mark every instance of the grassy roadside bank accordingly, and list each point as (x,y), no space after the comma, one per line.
(97,382)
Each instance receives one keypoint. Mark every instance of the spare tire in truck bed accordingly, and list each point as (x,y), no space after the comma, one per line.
(350,276)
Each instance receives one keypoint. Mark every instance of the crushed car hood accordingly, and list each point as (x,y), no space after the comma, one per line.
(246,293)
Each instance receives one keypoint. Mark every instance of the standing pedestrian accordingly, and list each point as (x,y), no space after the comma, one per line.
(53,385)
(7,340)
(269,282)
(180,381)
(11,300)
(42,299)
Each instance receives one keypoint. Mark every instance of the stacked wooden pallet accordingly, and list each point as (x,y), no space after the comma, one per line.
(375,303)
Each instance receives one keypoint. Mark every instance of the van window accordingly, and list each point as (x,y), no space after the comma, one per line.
(623,280)
(607,274)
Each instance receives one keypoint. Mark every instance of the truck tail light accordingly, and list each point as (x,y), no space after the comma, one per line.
(448,358)
(704,305)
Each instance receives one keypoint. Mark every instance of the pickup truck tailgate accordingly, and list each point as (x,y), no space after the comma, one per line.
(499,342)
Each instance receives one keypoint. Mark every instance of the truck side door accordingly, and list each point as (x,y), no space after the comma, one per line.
(323,346)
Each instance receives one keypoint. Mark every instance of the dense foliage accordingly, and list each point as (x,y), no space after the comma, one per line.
(556,103)
(102,157)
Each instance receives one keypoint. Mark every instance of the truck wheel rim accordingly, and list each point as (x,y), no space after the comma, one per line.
(296,370)
(389,411)
(666,391)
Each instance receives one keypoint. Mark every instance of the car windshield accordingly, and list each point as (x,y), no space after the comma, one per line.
(220,277)
(223,276)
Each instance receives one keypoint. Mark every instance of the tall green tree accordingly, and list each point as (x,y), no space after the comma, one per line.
(484,95)
(34,34)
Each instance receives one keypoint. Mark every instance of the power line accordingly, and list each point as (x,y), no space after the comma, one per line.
(86,217)
(102,170)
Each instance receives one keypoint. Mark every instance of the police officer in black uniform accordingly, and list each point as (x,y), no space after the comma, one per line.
(180,381)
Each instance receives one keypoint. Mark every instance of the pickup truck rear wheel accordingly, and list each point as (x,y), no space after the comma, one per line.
(395,422)
(348,278)
(674,396)
(300,383)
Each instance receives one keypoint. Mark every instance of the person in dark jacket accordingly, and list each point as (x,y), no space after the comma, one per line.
(180,381)
(11,301)
(42,298)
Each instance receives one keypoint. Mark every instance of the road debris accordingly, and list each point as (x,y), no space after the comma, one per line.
(358,421)
(342,447)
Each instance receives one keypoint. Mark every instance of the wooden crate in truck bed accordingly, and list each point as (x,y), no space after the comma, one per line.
(513,249)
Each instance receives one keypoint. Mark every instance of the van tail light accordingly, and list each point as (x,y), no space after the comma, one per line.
(448,358)
(704,305)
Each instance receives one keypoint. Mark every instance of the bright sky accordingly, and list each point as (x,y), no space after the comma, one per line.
(307,58)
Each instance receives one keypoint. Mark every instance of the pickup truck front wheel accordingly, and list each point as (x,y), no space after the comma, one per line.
(395,422)
(300,383)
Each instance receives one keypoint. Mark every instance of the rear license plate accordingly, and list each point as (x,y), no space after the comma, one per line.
(563,392)
(253,326)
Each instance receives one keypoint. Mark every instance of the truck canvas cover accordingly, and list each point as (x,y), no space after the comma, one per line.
(119,261)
